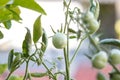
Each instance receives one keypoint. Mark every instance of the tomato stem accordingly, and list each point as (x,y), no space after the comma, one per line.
(67,66)
(66,50)
(76,51)
(9,76)
(26,71)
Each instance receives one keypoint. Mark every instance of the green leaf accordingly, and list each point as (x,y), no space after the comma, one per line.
(15,12)
(97,9)
(30,4)
(78,34)
(100,76)
(18,57)
(44,40)
(72,37)
(1,35)
(3,67)
(37,29)
(9,13)
(16,62)
(7,24)
(5,15)
(72,31)
(14,77)
(27,43)
(38,61)
(43,45)
(3,2)
(39,74)
(114,75)
(10,59)
(93,5)
(114,42)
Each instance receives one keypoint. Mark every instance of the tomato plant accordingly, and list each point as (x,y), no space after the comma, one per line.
(87,25)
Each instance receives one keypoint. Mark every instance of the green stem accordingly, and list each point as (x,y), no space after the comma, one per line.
(76,51)
(53,77)
(21,62)
(26,71)
(93,43)
(67,66)
(66,18)
(9,76)
(114,67)
(29,76)
(90,38)
(66,51)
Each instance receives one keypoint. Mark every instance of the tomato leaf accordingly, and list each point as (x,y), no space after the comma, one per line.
(10,59)
(26,46)
(3,2)
(38,61)
(37,29)
(5,15)
(15,77)
(97,9)
(72,31)
(45,41)
(72,37)
(43,46)
(7,24)
(100,76)
(39,74)
(1,35)
(16,62)
(15,12)
(30,4)
(9,13)
(114,42)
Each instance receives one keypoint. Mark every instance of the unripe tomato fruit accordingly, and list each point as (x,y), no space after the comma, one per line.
(99,60)
(115,76)
(88,16)
(115,56)
(59,40)
(93,25)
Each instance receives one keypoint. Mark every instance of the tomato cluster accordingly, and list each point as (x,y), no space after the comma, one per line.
(100,59)
(91,22)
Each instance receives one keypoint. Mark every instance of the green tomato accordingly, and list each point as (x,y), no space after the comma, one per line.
(115,76)
(93,25)
(59,40)
(88,16)
(115,56)
(99,60)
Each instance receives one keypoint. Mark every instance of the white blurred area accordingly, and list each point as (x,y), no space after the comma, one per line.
(14,37)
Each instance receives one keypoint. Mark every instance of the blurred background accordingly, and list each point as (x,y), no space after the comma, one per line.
(81,68)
